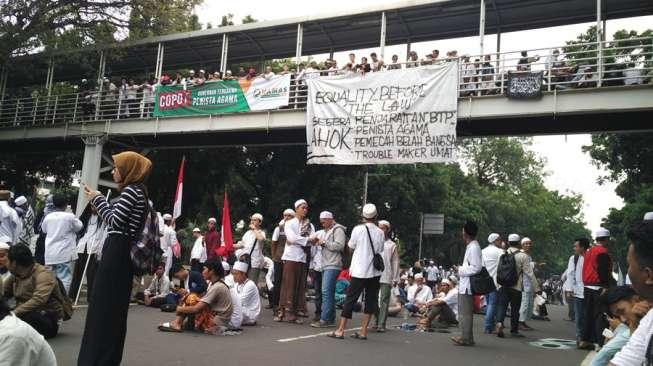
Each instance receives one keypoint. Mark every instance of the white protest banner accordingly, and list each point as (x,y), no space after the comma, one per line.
(268,93)
(401,116)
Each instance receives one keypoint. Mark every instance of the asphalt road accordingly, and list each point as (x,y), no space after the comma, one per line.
(271,343)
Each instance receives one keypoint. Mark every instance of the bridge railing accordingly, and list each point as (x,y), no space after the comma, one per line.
(584,65)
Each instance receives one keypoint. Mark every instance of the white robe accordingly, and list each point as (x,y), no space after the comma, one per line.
(250,301)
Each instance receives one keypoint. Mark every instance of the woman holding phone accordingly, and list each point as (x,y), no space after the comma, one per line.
(106,320)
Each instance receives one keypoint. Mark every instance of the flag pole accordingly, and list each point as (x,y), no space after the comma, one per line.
(88,259)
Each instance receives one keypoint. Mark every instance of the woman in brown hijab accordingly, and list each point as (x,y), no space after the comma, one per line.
(106,319)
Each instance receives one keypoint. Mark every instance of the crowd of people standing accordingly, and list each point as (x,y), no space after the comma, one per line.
(219,290)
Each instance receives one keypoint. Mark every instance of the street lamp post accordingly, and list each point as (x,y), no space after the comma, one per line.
(367,175)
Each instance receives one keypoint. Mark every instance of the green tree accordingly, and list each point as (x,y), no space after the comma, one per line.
(150,18)
(248,19)
(25,22)
(227,20)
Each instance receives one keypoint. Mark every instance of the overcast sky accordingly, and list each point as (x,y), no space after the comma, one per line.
(570,169)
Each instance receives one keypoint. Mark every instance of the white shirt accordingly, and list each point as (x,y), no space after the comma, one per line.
(269,265)
(451,299)
(91,241)
(633,76)
(10,224)
(375,65)
(257,255)
(472,264)
(421,297)
(316,253)
(295,243)
(634,352)
(148,93)
(61,240)
(159,287)
(132,90)
(361,261)
(490,255)
(168,239)
(21,345)
(236,309)
(250,301)
(199,250)
(432,273)
(391,262)
(275,234)
(229,280)
(528,286)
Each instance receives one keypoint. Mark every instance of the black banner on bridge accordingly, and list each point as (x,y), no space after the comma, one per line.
(524,85)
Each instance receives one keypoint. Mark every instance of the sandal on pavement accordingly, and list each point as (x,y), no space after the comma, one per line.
(358,336)
(335,336)
(459,342)
(166,327)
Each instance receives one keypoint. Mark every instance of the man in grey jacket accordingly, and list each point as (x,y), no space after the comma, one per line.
(513,295)
(333,245)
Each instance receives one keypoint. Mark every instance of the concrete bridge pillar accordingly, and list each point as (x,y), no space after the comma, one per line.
(90,168)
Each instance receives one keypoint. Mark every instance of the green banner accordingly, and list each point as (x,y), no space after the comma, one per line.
(225,96)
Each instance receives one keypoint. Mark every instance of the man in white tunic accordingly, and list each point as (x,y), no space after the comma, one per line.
(366,241)
(20,344)
(248,293)
(472,264)
(198,253)
(168,239)
(252,244)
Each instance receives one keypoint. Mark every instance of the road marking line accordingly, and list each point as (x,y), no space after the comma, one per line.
(284,340)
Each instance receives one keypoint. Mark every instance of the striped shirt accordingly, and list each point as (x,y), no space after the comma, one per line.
(125,216)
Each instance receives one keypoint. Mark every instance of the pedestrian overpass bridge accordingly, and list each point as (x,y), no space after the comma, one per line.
(606,109)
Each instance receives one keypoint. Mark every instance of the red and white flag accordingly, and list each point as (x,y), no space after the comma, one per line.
(226,236)
(176,210)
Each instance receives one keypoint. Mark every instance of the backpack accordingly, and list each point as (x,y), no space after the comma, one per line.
(65,301)
(146,253)
(507,274)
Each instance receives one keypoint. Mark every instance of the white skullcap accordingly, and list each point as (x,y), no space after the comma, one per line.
(240,267)
(240,252)
(453,280)
(446,282)
(418,276)
(197,230)
(21,200)
(526,240)
(602,233)
(191,72)
(213,220)
(289,211)
(257,216)
(326,215)
(384,223)
(369,211)
(300,202)
(403,277)
(228,71)
(201,71)
(4,246)
(648,216)
(167,216)
(226,266)
(493,237)
(513,237)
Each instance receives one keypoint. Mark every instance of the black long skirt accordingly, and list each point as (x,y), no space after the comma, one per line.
(106,320)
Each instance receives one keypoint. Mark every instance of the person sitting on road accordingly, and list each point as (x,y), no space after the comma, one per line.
(211,313)
(418,295)
(20,344)
(191,282)
(443,309)
(39,297)
(621,321)
(248,293)
(156,295)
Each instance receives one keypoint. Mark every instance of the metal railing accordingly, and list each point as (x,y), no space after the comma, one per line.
(586,65)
